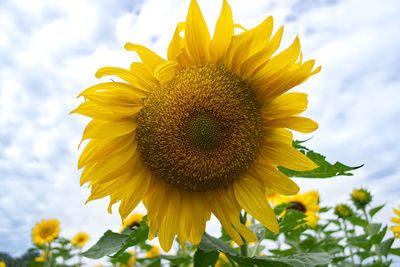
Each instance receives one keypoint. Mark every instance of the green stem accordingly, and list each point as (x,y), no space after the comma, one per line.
(347,238)
(244,247)
(369,230)
(230,260)
(80,256)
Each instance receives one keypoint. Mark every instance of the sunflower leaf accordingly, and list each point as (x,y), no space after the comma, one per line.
(325,169)
(209,243)
(109,243)
(205,259)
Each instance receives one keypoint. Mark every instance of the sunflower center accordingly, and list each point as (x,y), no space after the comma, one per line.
(297,206)
(201,130)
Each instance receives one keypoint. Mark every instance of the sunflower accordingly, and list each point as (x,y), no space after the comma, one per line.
(45,231)
(396,229)
(201,132)
(153,252)
(306,203)
(80,239)
(2,264)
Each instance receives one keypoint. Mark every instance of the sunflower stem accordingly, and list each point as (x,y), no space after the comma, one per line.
(347,238)
(243,248)
(370,233)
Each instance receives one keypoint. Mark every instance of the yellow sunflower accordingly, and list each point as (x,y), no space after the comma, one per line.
(396,229)
(201,132)
(2,264)
(306,203)
(80,239)
(45,231)
(153,252)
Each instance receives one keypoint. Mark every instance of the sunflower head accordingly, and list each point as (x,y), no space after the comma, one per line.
(45,231)
(306,203)
(343,211)
(361,198)
(153,252)
(80,239)
(201,132)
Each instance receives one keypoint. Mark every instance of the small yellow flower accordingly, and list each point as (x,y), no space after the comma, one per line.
(98,265)
(2,264)
(43,257)
(45,231)
(396,229)
(80,239)
(272,196)
(306,203)
(153,252)
(359,195)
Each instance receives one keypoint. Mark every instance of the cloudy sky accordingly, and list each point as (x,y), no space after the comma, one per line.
(50,50)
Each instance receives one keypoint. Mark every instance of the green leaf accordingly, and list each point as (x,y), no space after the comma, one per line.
(386,245)
(280,208)
(137,236)
(325,169)
(309,259)
(109,243)
(395,251)
(378,237)
(357,221)
(177,260)
(361,242)
(209,244)
(205,259)
(291,219)
(375,210)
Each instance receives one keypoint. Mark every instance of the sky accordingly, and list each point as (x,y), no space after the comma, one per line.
(50,50)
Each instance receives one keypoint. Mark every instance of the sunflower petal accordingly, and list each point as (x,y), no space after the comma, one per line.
(300,124)
(274,179)
(176,44)
(223,33)
(250,195)
(165,72)
(168,227)
(287,156)
(290,104)
(150,59)
(197,37)
(107,129)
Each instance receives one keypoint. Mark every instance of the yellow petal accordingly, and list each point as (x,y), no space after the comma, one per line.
(117,87)
(280,135)
(107,129)
(290,104)
(282,61)
(223,33)
(138,190)
(169,225)
(287,156)
(150,59)
(273,179)
(250,194)
(165,72)
(176,44)
(252,63)
(253,41)
(300,124)
(397,211)
(96,111)
(197,37)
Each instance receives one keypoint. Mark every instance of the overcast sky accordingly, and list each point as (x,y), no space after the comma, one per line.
(50,50)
